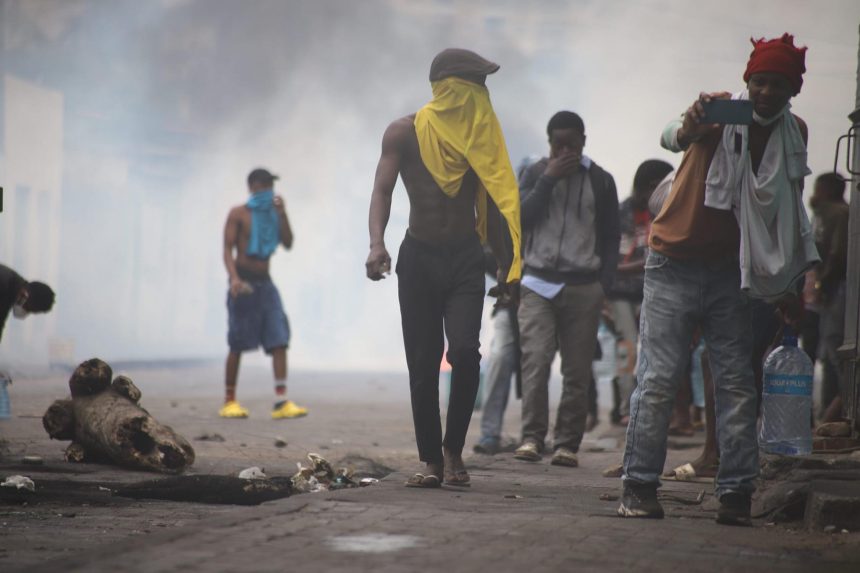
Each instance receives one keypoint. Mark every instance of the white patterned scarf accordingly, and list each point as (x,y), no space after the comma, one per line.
(777,245)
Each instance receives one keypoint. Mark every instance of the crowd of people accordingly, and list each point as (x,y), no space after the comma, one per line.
(696,271)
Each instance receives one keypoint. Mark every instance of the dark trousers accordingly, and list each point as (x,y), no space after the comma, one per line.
(441,291)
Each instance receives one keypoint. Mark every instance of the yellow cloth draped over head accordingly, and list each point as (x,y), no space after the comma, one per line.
(459,130)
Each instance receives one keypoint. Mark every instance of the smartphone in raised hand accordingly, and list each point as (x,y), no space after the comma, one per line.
(728,111)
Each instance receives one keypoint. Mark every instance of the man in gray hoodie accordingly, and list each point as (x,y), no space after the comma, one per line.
(569,213)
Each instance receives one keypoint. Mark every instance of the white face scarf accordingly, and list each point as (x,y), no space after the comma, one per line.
(19,312)
(765,121)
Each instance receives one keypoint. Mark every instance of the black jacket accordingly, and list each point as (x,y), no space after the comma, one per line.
(544,218)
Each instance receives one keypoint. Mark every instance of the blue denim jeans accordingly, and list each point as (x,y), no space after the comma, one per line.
(502,361)
(679,295)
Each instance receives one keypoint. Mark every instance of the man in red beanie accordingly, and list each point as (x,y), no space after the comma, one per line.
(698,274)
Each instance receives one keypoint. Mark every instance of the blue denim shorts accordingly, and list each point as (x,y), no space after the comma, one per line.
(257,318)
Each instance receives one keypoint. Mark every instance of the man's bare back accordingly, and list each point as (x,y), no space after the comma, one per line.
(240,219)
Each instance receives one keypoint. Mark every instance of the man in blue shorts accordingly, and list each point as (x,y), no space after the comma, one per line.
(256,316)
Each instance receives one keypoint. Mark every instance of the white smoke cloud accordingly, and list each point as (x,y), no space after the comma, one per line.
(170,104)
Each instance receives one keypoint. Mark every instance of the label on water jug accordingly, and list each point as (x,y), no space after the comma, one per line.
(793,384)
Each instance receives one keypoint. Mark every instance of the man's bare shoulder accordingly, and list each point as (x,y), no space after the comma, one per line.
(237,213)
(400,129)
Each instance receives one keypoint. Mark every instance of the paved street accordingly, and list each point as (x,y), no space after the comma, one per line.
(516,516)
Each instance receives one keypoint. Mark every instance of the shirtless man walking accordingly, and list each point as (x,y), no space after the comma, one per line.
(451,154)
(256,316)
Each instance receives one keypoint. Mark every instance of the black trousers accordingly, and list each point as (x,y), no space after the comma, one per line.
(441,291)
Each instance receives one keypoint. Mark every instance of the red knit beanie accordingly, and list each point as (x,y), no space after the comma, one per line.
(778,55)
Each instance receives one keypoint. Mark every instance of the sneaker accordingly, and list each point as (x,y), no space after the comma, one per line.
(640,500)
(528,452)
(734,509)
(232,409)
(564,457)
(289,409)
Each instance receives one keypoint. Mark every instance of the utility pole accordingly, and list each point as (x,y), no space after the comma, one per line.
(849,352)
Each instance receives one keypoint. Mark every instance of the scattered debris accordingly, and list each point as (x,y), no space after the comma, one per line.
(253,473)
(322,469)
(105,423)
(343,480)
(321,476)
(830,529)
(608,497)
(336,441)
(32,460)
(280,442)
(304,483)
(513,496)
(251,487)
(215,437)
(19,482)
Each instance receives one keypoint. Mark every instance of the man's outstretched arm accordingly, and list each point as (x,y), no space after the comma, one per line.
(379,261)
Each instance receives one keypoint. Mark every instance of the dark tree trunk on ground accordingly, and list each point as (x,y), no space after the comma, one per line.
(105,422)
(123,386)
(90,377)
(59,420)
